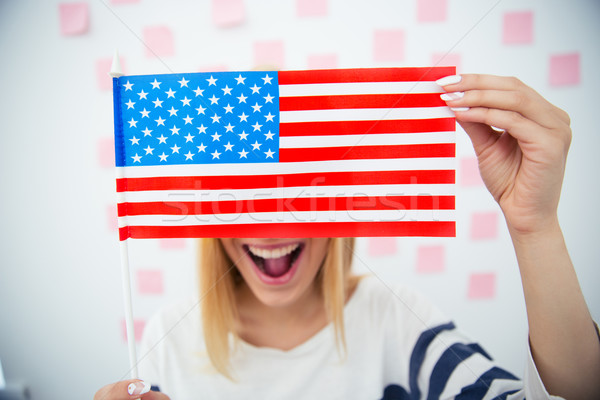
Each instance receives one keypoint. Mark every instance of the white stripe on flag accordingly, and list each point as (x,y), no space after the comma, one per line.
(402,164)
(366,140)
(290,192)
(288,217)
(336,89)
(365,114)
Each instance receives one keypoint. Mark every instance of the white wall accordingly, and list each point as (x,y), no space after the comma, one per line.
(60,289)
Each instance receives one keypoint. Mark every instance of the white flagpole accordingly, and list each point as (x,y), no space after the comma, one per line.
(125,277)
(115,72)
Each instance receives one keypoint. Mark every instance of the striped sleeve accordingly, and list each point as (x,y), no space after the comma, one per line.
(444,364)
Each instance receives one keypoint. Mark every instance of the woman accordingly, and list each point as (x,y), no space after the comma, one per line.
(284,318)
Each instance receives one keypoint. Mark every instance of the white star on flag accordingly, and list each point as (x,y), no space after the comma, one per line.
(212,81)
(240,80)
(183,82)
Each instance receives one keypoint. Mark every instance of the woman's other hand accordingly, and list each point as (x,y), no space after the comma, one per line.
(128,390)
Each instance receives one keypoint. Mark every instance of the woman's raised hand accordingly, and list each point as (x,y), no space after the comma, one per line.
(523,164)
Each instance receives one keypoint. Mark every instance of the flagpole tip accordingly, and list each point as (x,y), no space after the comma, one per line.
(115,69)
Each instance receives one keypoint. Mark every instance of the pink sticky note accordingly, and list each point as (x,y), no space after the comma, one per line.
(150,281)
(469,172)
(382,246)
(172,244)
(74,18)
(106,152)
(158,41)
(388,45)
(484,225)
(138,329)
(226,13)
(517,27)
(565,69)
(430,259)
(432,10)
(447,60)
(103,68)
(311,8)
(322,61)
(111,217)
(482,285)
(269,54)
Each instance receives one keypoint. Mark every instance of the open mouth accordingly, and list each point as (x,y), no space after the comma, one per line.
(274,262)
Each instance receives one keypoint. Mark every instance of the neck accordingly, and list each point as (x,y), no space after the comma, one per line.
(282,327)
(250,308)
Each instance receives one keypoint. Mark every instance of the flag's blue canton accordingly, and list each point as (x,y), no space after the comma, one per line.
(199,118)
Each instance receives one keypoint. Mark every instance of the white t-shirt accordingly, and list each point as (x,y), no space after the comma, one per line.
(398,347)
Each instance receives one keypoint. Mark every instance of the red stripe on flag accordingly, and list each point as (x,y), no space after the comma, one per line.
(366,127)
(367,152)
(294,230)
(124,233)
(364,75)
(360,101)
(288,205)
(287,180)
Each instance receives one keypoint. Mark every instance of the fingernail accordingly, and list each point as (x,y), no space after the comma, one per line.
(500,130)
(449,80)
(452,96)
(455,109)
(139,387)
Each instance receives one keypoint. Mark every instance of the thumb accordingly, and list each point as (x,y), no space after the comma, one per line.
(479,134)
(142,389)
(129,390)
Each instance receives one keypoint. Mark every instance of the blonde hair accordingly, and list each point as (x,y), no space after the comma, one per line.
(218,279)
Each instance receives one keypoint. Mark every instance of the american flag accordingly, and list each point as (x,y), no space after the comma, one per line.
(321,153)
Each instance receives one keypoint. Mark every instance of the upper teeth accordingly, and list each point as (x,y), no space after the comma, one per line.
(273,253)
